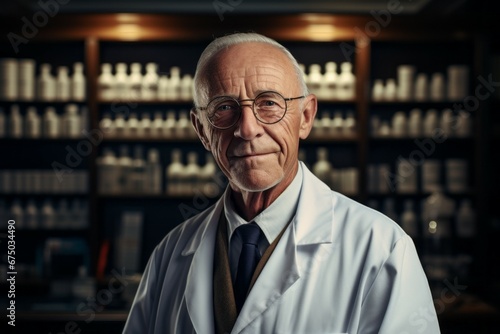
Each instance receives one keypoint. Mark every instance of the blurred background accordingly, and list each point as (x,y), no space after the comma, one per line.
(98,160)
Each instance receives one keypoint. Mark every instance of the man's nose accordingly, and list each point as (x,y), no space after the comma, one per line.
(248,127)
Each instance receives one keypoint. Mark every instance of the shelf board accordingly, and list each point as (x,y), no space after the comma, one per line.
(337,101)
(390,139)
(418,194)
(162,196)
(448,104)
(313,138)
(39,140)
(151,139)
(48,103)
(145,102)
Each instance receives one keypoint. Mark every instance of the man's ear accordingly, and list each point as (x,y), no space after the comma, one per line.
(198,127)
(307,116)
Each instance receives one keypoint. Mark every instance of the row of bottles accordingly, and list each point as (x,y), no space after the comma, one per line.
(331,84)
(343,180)
(416,124)
(404,178)
(412,86)
(31,124)
(435,216)
(66,214)
(327,126)
(18,81)
(125,174)
(170,127)
(43,181)
(138,86)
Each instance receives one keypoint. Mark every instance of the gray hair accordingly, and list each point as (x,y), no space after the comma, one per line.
(200,87)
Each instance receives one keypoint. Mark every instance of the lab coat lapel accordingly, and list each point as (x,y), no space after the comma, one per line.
(199,285)
(312,225)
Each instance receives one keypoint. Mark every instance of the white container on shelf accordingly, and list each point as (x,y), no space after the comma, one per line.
(445,122)
(437,87)
(31,215)
(121,84)
(163,88)
(26,84)
(349,126)
(337,124)
(458,82)
(378,90)
(71,121)
(78,83)
(431,175)
(138,175)
(415,123)
(322,168)
(63,88)
(326,128)
(16,122)
(390,91)
(207,175)
(170,124)
(150,83)
(46,85)
(153,172)
(132,126)
(192,173)
(106,83)
(135,81)
(106,125)
(174,174)
(119,126)
(314,80)
(145,125)
(9,73)
(330,81)
(186,87)
(406,177)
(421,88)
(183,128)
(33,123)
(384,129)
(48,215)
(347,82)
(405,82)
(399,124)
(108,173)
(157,125)
(125,170)
(174,84)
(431,123)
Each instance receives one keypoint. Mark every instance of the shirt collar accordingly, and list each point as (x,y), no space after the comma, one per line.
(274,218)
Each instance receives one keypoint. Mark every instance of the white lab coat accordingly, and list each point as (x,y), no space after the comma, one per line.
(340,267)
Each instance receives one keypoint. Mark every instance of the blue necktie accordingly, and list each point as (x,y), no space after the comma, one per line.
(249,257)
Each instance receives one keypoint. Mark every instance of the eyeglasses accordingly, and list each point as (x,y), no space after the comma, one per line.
(268,107)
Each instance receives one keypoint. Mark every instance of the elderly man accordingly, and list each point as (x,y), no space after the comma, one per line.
(279,252)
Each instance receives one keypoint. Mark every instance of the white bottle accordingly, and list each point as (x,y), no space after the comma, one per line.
(33,123)
(135,81)
(314,80)
(150,82)
(174,83)
(71,121)
(406,179)
(46,86)
(170,125)
(3,127)
(186,87)
(145,125)
(26,80)
(347,82)
(15,122)
(17,213)
(48,216)
(78,83)
(430,123)
(465,220)
(415,123)
(157,125)
(174,173)
(192,173)
(445,122)
(108,173)
(349,126)
(138,176)
(437,87)
(31,215)
(384,129)
(125,171)
(153,172)
(183,128)
(207,175)
(325,125)
(106,125)
(409,220)
(119,126)
(121,82)
(132,126)
(322,168)
(10,76)
(421,90)
(390,90)
(337,124)
(163,87)
(330,81)
(378,90)
(405,82)
(63,88)
(106,83)
(399,124)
